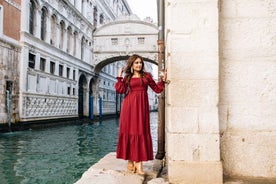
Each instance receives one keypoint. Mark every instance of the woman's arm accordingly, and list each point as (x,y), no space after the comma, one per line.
(120,85)
(156,87)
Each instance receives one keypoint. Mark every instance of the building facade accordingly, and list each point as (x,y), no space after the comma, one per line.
(10,51)
(55,67)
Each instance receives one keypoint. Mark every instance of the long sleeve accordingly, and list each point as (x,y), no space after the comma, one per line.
(156,87)
(120,85)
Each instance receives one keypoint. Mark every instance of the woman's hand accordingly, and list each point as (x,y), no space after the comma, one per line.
(163,75)
(120,72)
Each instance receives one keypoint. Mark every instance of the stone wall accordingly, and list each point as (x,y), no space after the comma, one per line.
(220,104)
(11,13)
(9,74)
(247,103)
(192,130)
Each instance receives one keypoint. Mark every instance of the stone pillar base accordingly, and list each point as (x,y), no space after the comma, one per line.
(182,172)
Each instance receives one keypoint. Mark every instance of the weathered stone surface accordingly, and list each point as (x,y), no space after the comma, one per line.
(193,93)
(158,181)
(184,172)
(247,88)
(193,147)
(249,153)
(113,171)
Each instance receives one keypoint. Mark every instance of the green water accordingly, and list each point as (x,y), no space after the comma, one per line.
(57,155)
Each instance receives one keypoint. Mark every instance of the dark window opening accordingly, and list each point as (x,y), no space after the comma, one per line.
(31,17)
(74,74)
(31,60)
(60,70)
(68,90)
(9,86)
(42,64)
(68,72)
(43,24)
(52,67)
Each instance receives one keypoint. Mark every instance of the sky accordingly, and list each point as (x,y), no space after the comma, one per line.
(144,8)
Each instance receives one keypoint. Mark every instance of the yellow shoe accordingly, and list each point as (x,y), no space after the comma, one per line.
(139,168)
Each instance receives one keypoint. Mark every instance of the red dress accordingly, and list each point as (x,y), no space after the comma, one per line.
(134,141)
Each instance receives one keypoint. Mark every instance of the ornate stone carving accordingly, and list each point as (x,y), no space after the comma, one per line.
(41,106)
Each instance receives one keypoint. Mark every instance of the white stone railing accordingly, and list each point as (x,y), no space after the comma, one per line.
(39,106)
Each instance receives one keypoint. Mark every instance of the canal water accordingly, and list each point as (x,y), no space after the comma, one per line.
(58,155)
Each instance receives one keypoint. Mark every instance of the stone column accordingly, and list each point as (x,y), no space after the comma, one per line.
(64,70)
(57,41)
(78,4)
(56,68)
(37,27)
(71,43)
(24,16)
(48,28)
(64,48)
(192,126)
(37,61)
(84,8)
(78,47)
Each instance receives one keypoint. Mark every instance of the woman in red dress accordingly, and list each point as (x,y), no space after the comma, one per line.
(134,141)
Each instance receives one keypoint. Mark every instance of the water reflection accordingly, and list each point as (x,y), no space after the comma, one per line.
(58,154)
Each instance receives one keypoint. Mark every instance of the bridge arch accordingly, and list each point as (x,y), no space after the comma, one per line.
(107,61)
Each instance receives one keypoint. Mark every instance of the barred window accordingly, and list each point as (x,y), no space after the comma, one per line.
(141,40)
(114,41)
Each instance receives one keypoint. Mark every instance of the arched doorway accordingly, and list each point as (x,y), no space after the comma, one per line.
(82,95)
(91,98)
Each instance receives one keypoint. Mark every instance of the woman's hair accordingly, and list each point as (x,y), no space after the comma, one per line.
(130,62)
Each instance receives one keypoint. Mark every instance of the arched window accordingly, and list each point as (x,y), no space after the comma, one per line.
(101,18)
(82,6)
(69,33)
(82,48)
(75,43)
(95,15)
(32,17)
(53,29)
(62,26)
(43,23)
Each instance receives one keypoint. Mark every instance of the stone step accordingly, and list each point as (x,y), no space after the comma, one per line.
(110,170)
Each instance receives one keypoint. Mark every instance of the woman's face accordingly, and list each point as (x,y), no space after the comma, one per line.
(137,65)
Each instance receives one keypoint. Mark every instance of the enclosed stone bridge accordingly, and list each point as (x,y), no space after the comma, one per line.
(119,39)
(112,42)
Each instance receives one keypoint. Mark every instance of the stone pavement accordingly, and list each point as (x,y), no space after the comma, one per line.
(110,170)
